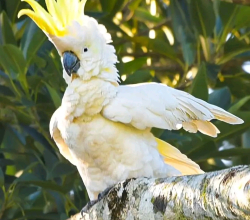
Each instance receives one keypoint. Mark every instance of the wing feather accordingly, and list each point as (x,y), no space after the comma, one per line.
(175,158)
(156,105)
(56,135)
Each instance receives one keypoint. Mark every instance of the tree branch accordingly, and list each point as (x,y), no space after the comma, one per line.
(218,195)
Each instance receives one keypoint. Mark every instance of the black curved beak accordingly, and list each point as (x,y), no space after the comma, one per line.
(71,62)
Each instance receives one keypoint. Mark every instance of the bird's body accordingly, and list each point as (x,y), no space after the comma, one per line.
(105,152)
(104,129)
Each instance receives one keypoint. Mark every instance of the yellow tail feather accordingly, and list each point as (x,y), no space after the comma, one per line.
(175,158)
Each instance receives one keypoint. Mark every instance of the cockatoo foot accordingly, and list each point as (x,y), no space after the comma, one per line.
(102,194)
(88,206)
(91,203)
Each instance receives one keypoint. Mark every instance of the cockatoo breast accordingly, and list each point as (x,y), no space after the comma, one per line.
(104,155)
(84,99)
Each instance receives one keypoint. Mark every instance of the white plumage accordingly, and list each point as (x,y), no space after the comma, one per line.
(103,128)
(150,105)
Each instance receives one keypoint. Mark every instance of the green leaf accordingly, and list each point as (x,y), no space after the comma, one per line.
(34,180)
(48,185)
(107,6)
(111,26)
(144,15)
(229,56)
(26,191)
(4,90)
(12,8)
(2,129)
(7,101)
(138,77)
(246,139)
(6,162)
(59,199)
(199,87)
(7,32)
(118,6)
(5,61)
(31,42)
(203,16)
(234,43)
(212,72)
(132,66)
(233,47)
(233,109)
(1,177)
(157,132)
(180,18)
(238,84)
(54,95)
(157,45)
(33,213)
(227,14)
(173,136)
(13,60)
(234,152)
(220,97)
(61,169)
(25,177)
(188,48)
(201,153)
(182,28)
(242,19)
(134,4)
(49,157)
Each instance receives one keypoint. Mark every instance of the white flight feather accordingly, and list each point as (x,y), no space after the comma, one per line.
(150,105)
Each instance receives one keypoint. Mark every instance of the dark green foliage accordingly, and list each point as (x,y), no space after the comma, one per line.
(36,182)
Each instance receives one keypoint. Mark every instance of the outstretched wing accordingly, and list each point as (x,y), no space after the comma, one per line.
(150,105)
(56,135)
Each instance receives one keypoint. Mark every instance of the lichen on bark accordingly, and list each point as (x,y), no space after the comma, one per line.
(218,195)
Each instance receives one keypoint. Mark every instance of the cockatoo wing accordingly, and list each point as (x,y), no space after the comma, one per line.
(150,105)
(56,135)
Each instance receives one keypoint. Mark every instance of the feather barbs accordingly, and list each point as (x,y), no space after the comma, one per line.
(173,157)
(61,13)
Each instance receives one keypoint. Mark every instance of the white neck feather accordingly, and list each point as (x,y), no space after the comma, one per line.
(85,98)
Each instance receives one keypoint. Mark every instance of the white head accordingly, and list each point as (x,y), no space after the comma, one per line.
(82,43)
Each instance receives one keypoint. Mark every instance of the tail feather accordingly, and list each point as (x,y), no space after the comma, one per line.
(175,158)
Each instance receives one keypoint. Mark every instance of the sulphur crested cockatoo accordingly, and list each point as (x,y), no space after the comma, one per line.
(103,128)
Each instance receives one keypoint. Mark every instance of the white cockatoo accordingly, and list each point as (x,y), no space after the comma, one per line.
(103,128)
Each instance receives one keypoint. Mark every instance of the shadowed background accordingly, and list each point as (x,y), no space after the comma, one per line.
(202,47)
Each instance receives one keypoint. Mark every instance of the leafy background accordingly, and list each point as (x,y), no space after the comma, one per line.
(202,47)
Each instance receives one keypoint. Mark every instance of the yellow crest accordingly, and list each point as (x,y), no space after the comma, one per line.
(60,14)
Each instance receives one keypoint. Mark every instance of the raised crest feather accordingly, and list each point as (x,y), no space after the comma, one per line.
(59,15)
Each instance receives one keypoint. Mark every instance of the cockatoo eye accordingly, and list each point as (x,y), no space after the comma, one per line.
(85,49)
(71,62)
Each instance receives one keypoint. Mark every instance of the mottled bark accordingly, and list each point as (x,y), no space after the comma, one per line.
(217,195)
